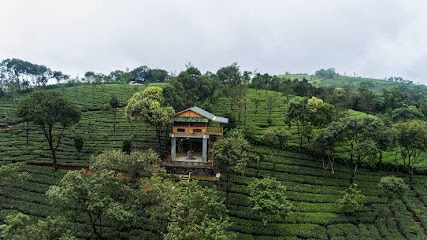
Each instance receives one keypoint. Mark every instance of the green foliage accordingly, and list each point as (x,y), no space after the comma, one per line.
(147,106)
(136,164)
(78,143)
(394,187)
(412,139)
(406,113)
(189,88)
(48,109)
(268,198)
(326,73)
(100,197)
(231,154)
(127,146)
(198,214)
(352,200)
(11,173)
(18,226)
(275,137)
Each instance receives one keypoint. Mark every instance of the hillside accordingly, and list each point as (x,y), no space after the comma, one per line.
(312,191)
(354,82)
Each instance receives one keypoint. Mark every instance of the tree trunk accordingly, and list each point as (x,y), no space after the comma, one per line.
(114,121)
(55,164)
(300,139)
(227,190)
(395,161)
(353,173)
(159,137)
(27,132)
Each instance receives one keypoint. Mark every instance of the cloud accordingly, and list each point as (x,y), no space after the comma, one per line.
(371,38)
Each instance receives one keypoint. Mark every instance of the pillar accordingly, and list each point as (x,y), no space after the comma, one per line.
(205,149)
(173,148)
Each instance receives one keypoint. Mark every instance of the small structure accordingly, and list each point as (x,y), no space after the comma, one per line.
(193,132)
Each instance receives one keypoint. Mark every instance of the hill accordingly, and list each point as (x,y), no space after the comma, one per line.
(354,82)
(312,191)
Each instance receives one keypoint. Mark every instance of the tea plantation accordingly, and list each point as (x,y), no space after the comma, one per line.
(312,191)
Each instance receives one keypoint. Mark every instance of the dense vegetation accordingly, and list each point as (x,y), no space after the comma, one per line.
(297,142)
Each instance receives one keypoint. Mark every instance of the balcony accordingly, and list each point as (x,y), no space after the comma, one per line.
(189,130)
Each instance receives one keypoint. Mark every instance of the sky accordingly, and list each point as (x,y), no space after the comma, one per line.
(364,37)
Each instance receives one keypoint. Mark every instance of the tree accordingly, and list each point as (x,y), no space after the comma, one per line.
(91,80)
(275,138)
(297,114)
(19,226)
(268,199)
(352,200)
(59,76)
(23,111)
(394,187)
(406,113)
(232,77)
(324,144)
(114,104)
(127,146)
(78,143)
(319,113)
(53,113)
(256,101)
(97,198)
(189,88)
(198,214)
(271,101)
(359,136)
(137,164)
(147,106)
(366,100)
(326,73)
(412,139)
(12,172)
(231,154)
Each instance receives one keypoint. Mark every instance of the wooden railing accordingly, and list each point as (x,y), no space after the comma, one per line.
(214,130)
(197,130)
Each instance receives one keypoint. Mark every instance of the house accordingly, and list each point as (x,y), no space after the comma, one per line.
(193,132)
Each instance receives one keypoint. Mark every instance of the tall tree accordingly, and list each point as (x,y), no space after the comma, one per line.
(268,199)
(359,137)
(412,139)
(275,138)
(147,107)
(199,213)
(137,164)
(231,154)
(297,115)
(53,113)
(406,113)
(114,104)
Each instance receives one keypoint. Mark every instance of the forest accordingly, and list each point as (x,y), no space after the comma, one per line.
(321,156)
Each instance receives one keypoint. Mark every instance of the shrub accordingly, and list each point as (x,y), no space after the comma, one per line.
(268,198)
(394,187)
(78,143)
(127,145)
(352,200)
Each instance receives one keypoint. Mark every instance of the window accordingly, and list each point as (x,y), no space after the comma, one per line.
(181,129)
(197,130)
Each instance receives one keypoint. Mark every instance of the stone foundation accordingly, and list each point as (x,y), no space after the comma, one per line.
(196,168)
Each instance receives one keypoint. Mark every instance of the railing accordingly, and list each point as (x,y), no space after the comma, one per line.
(214,130)
(197,130)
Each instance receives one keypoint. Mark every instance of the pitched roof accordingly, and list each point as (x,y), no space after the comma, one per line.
(207,114)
